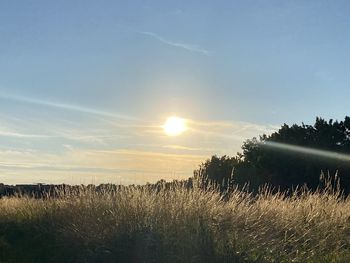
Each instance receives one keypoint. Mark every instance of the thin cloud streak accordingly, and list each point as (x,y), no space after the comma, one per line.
(236,130)
(233,124)
(25,136)
(180,147)
(189,47)
(19,166)
(65,106)
(148,153)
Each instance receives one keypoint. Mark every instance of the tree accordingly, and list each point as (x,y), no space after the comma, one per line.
(218,170)
(303,152)
(286,166)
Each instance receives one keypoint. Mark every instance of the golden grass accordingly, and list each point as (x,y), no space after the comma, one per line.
(136,224)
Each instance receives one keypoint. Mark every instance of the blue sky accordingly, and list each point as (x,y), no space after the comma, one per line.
(86,85)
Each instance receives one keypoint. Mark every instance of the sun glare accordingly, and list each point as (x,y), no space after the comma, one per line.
(174,126)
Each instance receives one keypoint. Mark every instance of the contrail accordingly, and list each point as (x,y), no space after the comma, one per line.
(186,46)
(307,150)
(66,106)
(189,47)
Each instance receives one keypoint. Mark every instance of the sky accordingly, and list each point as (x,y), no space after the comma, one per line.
(85,86)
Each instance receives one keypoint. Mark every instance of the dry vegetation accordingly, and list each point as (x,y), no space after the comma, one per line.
(138,224)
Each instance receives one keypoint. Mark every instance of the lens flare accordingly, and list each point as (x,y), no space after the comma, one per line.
(307,150)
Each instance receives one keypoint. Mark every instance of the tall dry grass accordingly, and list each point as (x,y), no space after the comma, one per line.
(136,224)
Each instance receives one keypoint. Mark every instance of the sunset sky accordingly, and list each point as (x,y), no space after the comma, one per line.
(85,86)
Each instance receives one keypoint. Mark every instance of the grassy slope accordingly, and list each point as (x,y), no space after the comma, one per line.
(179,225)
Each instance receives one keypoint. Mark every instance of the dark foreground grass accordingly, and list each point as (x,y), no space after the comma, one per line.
(177,225)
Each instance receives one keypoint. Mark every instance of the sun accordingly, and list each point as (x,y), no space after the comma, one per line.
(174,126)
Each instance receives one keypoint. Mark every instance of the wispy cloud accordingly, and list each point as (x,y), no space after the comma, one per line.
(65,106)
(23,135)
(180,147)
(190,149)
(117,166)
(186,46)
(237,130)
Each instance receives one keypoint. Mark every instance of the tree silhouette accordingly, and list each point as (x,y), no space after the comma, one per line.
(285,167)
(217,169)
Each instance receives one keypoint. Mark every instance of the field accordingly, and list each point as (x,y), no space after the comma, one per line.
(139,224)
